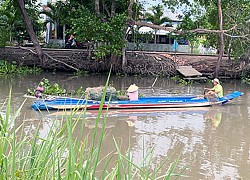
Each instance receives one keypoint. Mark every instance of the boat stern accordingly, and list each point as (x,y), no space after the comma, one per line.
(40,105)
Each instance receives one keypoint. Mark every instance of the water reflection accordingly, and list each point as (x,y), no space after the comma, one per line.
(214,115)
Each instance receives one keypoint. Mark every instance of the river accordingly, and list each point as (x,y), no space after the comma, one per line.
(212,142)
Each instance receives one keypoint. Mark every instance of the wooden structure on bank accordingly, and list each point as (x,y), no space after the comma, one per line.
(190,73)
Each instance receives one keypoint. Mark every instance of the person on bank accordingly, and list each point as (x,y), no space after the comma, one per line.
(216,91)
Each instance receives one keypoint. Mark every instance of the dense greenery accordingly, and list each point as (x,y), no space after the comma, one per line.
(83,20)
(11,22)
(204,14)
(12,69)
(54,89)
(107,36)
(104,24)
(156,17)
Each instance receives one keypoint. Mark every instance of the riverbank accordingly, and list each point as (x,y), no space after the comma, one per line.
(138,62)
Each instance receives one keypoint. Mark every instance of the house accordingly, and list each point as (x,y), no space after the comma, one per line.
(54,34)
(148,39)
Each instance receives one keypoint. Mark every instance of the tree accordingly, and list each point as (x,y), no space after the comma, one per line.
(30,30)
(231,26)
(12,22)
(156,17)
(230,18)
(221,41)
(57,14)
(107,31)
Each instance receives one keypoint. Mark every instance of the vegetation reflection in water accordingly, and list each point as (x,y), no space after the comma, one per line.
(61,156)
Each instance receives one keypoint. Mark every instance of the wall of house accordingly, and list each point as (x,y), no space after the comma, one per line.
(157,47)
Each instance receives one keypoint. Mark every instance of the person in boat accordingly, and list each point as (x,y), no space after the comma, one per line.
(216,91)
(132,92)
(39,90)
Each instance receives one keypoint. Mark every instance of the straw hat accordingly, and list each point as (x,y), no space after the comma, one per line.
(216,80)
(132,88)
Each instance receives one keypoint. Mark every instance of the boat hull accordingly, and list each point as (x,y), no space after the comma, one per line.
(147,102)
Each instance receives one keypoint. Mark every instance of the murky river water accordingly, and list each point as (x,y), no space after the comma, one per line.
(214,142)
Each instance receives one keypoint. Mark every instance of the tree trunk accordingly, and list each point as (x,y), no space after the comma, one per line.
(97,7)
(221,34)
(155,37)
(130,9)
(64,30)
(31,32)
(124,58)
(229,49)
(130,17)
(55,35)
(113,7)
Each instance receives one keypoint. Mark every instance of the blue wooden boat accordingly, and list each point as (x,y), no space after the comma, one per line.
(62,103)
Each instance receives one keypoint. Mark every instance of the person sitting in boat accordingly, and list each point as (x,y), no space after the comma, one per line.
(39,90)
(133,92)
(216,91)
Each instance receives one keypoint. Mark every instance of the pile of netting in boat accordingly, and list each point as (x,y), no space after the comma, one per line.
(95,93)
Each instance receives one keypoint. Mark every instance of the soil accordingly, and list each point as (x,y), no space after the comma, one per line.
(138,62)
(205,64)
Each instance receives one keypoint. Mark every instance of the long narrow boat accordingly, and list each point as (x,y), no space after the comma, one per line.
(144,102)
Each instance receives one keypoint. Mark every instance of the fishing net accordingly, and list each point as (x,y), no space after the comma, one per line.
(95,93)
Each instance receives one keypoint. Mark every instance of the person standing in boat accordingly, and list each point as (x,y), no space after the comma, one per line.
(216,91)
(133,92)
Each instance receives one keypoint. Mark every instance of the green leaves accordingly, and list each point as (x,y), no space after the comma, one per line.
(12,28)
(156,17)
(203,14)
(13,69)
(106,35)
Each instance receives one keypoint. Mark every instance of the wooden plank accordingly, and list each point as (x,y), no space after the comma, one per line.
(188,71)
(196,78)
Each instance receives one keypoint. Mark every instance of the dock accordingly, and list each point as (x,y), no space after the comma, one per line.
(190,73)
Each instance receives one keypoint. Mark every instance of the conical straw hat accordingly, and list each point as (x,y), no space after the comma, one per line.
(132,88)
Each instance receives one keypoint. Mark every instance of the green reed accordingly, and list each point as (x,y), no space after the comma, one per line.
(63,156)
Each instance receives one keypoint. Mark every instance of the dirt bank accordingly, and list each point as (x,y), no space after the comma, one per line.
(138,62)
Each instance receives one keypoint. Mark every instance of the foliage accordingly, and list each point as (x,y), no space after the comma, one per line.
(4,30)
(107,36)
(57,13)
(156,17)
(179,80)
(13,69)
(81,73)
(11,18)
(55,90)
(204,14)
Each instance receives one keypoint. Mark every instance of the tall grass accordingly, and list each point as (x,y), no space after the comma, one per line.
(62,156)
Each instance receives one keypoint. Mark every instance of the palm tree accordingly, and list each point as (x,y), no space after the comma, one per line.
(156,17)
(57,13)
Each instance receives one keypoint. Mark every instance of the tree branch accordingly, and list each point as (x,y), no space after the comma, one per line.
(242,36)
(61,62)
(153,26)
(171,29)
(33,52)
